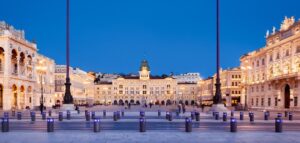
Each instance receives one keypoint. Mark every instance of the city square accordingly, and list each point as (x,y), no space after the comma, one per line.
(170,89)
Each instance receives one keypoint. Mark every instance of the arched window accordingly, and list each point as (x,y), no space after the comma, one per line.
(287,52)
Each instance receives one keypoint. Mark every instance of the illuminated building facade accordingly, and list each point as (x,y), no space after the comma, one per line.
(270,75)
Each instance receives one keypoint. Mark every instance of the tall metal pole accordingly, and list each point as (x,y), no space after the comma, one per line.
(42,95)
(68,99)
(218,96)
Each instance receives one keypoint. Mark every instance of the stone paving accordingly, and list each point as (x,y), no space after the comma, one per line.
(149,137)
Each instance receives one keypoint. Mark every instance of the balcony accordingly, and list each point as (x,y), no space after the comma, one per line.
(283,76)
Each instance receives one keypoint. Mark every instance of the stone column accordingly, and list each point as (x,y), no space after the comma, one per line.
(7,91)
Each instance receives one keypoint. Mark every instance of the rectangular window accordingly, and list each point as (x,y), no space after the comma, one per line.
(298,49)
(256,103)
(144,92)
(269,101)
(262,102)
(144,86)
(295,101)
(252,101)
(276,102)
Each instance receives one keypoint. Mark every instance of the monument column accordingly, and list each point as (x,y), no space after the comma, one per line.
(68,99)
(218,106)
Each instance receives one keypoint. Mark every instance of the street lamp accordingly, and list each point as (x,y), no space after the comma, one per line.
(41,68)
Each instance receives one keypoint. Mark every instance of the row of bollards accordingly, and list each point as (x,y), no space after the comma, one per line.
(142,120)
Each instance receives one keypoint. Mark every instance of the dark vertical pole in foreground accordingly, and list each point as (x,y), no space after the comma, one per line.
(218,96)
(68,99)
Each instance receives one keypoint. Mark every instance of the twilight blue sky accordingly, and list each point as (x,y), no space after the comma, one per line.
(174,35)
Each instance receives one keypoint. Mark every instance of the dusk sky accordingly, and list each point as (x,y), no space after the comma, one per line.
(113,36)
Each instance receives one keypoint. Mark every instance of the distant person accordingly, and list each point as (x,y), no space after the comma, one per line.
(202,107)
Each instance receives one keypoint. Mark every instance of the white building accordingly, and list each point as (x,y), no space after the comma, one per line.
(187,78)
(145,88)
(17,76)
(82,85)
(270,75)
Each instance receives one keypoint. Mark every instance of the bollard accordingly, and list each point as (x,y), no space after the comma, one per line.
(78,111)
(44,116)
(217,115)
(104,113)
(232,113)
(266,116)
(32,115)
(142,124)
(188,125)
(5,124)
(115,116)
(142,113)
(241,115)
(50,113)
(233,125)
(60,116)
(68,115)
(159,113)
(278,125)
(290,116)
(193,115)
(170,116)
(197,115)
(251,117)
(87,116)
(85,112)
(279,115)
(19,116)
(96,125)
(224,116)
(123,113)
(50,125)
(93,115)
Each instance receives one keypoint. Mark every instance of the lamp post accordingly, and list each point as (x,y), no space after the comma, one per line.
(41,68)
